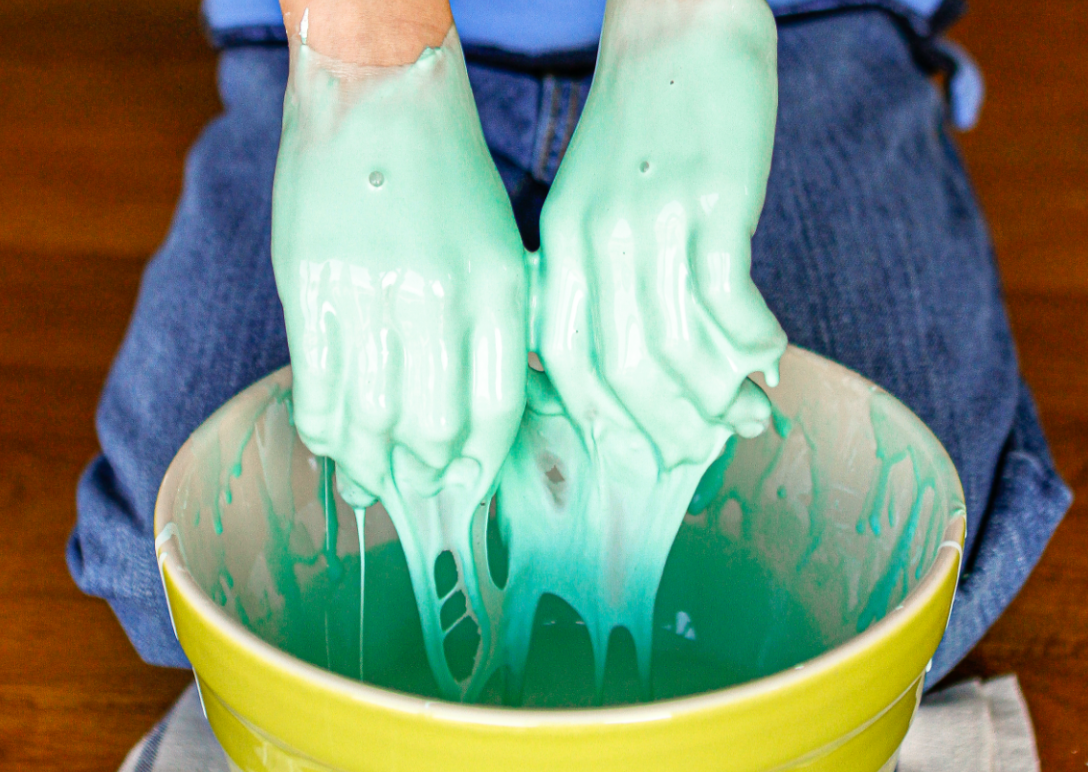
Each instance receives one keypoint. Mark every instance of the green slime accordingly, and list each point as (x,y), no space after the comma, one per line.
(701,642)
(409,353)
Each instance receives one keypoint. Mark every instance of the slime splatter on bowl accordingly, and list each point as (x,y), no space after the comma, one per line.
(811,586)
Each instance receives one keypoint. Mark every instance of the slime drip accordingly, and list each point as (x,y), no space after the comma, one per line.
(593,526)
(591,495)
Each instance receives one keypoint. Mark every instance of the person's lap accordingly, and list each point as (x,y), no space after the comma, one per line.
(871,250)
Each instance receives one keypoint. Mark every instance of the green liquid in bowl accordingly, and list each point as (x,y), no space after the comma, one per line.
(718,622)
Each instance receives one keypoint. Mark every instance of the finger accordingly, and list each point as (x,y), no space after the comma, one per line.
(566,347)
(497,383)
(685,338)
(354,494)
(412,476)
(376,351)
(317,345)
(722,351)
(371,399)
(632,312)
(750,413)
(431,325)
(365,456)
(705,362)
(722,278)
(705,365)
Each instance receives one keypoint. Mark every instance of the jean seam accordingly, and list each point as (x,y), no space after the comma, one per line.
(573,111)
(543,149)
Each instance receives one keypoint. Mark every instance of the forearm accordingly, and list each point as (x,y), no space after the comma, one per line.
(369,32)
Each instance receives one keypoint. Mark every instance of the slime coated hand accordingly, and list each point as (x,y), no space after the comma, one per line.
(649,322)
(403,282)
(402,277)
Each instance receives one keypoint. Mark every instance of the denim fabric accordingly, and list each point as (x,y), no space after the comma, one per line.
(871,250)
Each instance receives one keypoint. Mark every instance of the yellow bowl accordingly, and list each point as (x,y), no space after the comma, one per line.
(851,504)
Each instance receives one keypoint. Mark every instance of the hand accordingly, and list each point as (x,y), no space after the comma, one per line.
(649,322)
(402,276)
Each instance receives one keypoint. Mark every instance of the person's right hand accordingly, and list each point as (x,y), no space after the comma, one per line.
(402,277)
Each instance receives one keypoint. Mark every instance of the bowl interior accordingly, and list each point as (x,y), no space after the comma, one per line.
(796,542)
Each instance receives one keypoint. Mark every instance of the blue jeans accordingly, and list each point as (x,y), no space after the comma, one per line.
(871,251)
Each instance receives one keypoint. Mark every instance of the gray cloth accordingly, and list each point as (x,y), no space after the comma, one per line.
(974,726)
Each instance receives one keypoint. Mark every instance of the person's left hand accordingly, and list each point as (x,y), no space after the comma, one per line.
(648,320)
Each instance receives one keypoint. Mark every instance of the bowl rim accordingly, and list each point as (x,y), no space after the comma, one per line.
(947,560)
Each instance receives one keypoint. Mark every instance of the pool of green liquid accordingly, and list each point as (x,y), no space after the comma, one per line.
(720,619)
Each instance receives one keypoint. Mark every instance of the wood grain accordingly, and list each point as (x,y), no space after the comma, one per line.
(100,101)
(1029,162)
(98,105)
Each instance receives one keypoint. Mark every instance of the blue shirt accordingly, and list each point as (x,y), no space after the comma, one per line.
(535,27)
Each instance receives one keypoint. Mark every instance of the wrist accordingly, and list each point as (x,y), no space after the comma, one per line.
(635,24)
(368,32)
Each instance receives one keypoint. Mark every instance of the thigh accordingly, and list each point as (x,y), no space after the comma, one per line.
(207,323)
(872,250)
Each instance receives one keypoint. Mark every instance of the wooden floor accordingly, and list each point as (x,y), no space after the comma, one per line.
(98,102)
